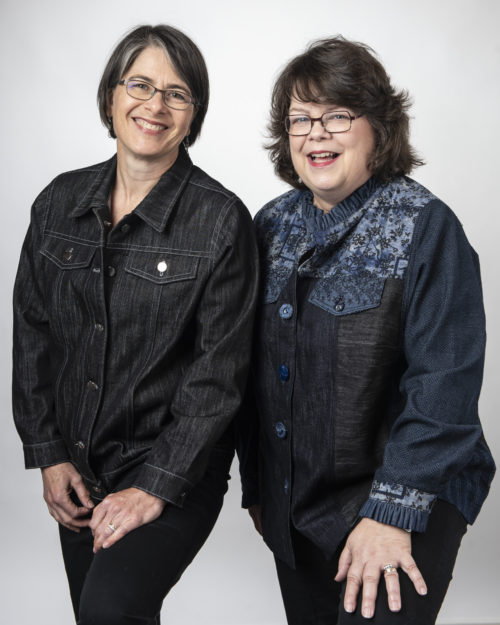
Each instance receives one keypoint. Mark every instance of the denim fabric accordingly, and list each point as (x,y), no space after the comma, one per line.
(368,365)
(131,343)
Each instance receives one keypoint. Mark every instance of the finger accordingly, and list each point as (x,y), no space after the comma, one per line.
(115,536)
(411,569)
(345,561)
(371,577)
(83,495)
(393,590)
(352,589)
(64,519)
(98,515)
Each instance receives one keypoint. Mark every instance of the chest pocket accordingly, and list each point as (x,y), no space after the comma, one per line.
(162,268)
(346,294)
(67,254)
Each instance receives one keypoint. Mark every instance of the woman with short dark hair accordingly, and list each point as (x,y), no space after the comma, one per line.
(133,311)
(368,357)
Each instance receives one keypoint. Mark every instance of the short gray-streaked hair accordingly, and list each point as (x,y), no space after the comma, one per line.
(181,51)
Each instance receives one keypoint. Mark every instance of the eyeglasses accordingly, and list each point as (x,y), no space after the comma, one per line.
(173,98)
(334,122)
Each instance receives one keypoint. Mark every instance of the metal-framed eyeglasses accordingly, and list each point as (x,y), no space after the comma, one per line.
(333,122)
(142,90)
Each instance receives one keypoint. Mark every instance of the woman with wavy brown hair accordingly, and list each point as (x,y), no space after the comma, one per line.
(368,357)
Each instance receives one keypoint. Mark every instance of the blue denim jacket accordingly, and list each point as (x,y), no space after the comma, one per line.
(368,366)
(131,343)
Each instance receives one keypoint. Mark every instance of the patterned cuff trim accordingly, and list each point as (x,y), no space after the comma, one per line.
(399,495)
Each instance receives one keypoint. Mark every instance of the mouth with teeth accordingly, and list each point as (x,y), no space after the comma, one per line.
(149,127)
(321,159)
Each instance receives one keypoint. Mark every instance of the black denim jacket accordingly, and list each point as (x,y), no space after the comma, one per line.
(131,343)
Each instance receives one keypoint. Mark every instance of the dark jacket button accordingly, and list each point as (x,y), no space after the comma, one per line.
(281,430)
(284,373)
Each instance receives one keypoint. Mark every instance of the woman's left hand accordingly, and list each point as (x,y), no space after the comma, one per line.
(120,513)
(371,546)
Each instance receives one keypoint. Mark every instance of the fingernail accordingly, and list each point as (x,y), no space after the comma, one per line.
(349,608)
(422,590)
(90,503)
(367,613)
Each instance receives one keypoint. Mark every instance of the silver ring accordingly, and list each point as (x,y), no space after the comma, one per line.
(111,527)
(390,569)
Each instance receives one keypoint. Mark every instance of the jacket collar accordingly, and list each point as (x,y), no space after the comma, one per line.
(156,208)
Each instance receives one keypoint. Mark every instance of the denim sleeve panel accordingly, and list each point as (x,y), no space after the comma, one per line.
(438,433)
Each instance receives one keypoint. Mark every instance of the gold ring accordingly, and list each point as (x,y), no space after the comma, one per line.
(111,527)
(390,569)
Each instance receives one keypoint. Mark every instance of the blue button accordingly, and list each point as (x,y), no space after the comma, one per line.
(286,311)
(286,486)
(284,373)
(281,430)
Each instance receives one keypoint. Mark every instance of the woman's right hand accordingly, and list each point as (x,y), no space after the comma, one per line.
(255,512)
(59,481)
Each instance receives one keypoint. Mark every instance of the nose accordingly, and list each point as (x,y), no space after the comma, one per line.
(317,131)
(156,103)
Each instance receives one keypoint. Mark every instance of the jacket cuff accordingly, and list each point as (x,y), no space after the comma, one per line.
(250,496)
(163,484)
(45,454)
(398,505)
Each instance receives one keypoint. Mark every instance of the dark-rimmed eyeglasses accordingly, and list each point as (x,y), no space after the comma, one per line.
(333,122)
(142,90)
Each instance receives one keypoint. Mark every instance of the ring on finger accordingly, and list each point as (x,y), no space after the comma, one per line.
(111,527)
(390,569)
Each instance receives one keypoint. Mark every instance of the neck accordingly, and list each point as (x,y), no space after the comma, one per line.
(134,180)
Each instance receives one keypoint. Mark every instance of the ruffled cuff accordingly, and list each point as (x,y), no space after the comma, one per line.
(401,506)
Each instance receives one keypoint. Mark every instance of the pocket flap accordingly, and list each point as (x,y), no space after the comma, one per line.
(163,268)
(346,294)
(67,254)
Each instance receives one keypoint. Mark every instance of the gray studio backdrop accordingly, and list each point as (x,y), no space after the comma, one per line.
(447,53)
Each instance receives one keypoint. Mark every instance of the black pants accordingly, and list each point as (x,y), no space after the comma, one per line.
(312,597)
(126,584)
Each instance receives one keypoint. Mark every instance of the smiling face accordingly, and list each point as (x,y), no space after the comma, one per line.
(332,166)
(148,129)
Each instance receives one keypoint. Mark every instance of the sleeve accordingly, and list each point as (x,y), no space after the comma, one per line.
(32,384)
(437,432)
(246,429)
(212,387)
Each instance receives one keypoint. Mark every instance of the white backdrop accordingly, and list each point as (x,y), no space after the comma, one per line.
(446,52)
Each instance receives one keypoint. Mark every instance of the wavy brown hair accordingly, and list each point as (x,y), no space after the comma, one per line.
(344,73)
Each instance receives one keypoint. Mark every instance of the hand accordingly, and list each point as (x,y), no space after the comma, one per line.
(371,546)
(255,512)
(125,511)
(59,481)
